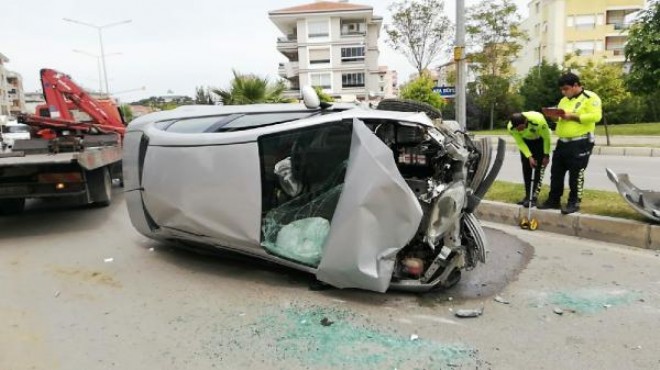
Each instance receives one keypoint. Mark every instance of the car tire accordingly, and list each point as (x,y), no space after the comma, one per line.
(99,185)
(12,206)
(400,105)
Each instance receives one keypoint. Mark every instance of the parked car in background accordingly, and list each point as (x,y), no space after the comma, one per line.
(361,198)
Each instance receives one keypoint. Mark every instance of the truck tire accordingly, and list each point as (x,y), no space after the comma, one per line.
(99,186)
(399,105)
(13,206)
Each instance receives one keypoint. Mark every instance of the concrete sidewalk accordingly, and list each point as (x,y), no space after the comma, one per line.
(609,229)
(618,145)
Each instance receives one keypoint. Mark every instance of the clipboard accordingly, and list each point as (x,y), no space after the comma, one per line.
(553,112)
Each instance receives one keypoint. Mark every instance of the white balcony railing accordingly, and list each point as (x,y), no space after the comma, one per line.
(288,70)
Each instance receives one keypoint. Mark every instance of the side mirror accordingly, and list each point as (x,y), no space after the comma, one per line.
(310,98)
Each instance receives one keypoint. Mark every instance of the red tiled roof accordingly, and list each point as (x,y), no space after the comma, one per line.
(322,6)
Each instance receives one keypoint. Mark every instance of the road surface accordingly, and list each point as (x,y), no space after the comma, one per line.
(644,171)
(80,289)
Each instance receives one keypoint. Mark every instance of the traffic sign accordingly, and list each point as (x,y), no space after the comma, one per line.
(446,91)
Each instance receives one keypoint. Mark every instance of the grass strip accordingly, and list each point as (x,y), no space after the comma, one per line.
(594,202)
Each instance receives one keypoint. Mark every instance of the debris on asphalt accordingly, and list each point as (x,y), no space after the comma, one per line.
(558,311)
(499,299)
(326,322)
(241,314)
(467,313)
(587,253)
(607,305)
(450,299)
(108,260)
(57,294)
(151,249)
(414,337)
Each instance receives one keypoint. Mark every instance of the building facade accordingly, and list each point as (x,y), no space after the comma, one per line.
(332,45)
(12,98)
(593,29)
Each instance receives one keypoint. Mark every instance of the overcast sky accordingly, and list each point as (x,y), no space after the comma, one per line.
(169,45)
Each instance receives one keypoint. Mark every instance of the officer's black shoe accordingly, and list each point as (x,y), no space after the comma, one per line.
(549,204)
(571,207)
(526,203)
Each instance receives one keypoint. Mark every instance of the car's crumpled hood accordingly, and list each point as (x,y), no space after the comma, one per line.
(376,216)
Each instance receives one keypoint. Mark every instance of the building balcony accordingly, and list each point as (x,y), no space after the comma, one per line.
(288,70)
(290,41)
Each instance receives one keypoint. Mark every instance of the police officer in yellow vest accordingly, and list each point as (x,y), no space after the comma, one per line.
(532,135)
(576,115)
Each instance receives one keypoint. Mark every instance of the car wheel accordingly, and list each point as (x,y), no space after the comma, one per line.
(99,184)
(13,206)
(399,105)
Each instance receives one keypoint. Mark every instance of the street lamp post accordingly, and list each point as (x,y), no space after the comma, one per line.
(98,64)
(461,64)
(100,29)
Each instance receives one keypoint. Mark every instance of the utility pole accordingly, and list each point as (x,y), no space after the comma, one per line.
(461,64)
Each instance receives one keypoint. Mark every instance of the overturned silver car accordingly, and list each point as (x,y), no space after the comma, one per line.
(361,198)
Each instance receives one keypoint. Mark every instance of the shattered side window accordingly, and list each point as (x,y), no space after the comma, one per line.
(302,177)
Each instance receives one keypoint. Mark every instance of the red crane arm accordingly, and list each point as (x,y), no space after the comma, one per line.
(58,88)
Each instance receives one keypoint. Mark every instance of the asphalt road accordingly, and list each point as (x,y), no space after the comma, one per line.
(80,289)
(644,171)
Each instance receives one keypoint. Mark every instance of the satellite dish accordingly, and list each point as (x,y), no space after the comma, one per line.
(310,98)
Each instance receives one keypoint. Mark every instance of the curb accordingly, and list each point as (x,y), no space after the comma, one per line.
(607,229)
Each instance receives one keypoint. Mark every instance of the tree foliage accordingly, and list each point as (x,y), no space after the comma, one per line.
(165,103)
(251,89)
(323,96)
(539,88)
(126,112)
(421,89)
(493,27)
(643,51)
(203,96)
(419,30)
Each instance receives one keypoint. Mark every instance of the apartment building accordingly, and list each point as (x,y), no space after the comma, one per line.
(333,45)
(593,29)
(12,99)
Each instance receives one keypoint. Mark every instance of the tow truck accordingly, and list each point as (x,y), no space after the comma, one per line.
(66,156)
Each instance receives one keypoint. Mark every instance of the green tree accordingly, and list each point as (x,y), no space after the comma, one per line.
(421,89)
(419,30)
(126,112)
(606,80)
(643,51)
(323,96)
(539,88)
(251,89)
(494,25)
(203,96)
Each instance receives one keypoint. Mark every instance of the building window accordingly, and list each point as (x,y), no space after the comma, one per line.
(584,48)
(319,56)
(352,80)
(318,29)
(585,21)
(353,54)
(538,7)
(353,27)
(570,21)
(322,80)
